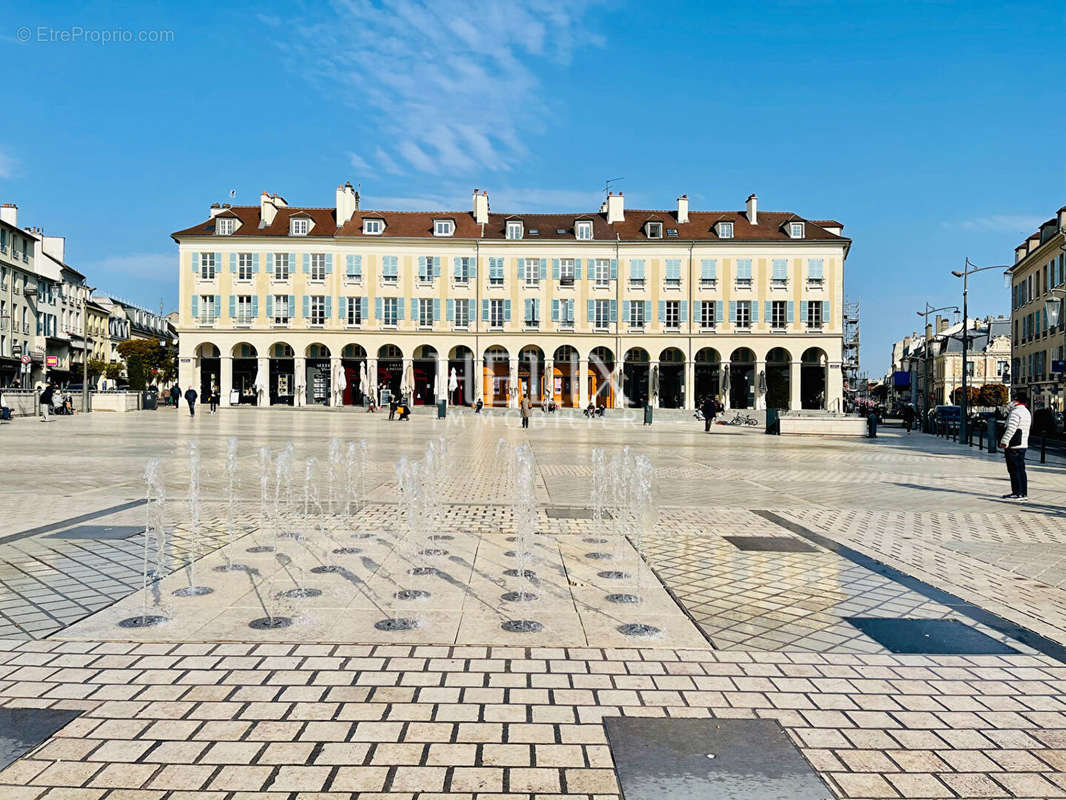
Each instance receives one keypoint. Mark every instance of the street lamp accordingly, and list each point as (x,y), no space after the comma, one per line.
(1054,309)
(968,269)
(928,380)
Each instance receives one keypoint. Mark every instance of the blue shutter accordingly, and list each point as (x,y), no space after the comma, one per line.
(422,268)
(436,309)
(697,310)
(768,311)
(592,311)
(307,307)
(814,268)
(708,269)
(529,309)
(542,268)
(684,311)
(457,269)
(484,310)
(270,306)
(614,311)
(790,309)
(364,308)
(329,264)
(270,264)
(825,314)
(555,310)
(342,309)
(473,267)
(625,310)
(436,266)
(307,263)
(555,269)
(506,310)
(414,309)
(803,311)
(647,312)
(255,263)
(614,269)
(399,308)
(218,262)
(233,263)
(195,263)
(471,309)
(780,269)
(733,311)
(195,306)
(255,306)
(232,306)
(379,308)
(719,308)
(450,310)
(521,269)
(577,269)
(744,268)
(349,265)
(292,305)
(662,311)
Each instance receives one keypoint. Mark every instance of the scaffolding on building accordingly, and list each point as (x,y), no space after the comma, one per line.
(850,364)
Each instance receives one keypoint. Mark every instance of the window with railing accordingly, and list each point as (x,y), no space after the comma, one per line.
(245,313)
(744,276)
(208,311)
(318,310)
(566,272)
(390,269)
(673,273)
(281,309)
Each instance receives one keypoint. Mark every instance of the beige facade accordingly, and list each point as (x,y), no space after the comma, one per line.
(643,316)
(1039,275)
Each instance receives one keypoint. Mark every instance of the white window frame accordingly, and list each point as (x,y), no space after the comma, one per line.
(636,314)
(225,226)
(566,272)
(279,267)
(743,306)
(281,301)
(583,230)
(496,313)
(531,279)
(244,310)
(725,230)
(462,313)
(318,267)
(708,315)
(390,304)
(774,323)
(601,281)
(601,314)
(464,270)
(299,226)
(796,230)
(566,313)
(207,265)
(814,319)
(425,312)
(654,230)
(354,316)
(244,266)
(207,304)
(676,322)
(496,280)
(514,228)
(373,227)
(427,276)
(443,227)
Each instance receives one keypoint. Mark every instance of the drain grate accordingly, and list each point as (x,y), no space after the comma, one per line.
(696,759)
(770,544)
(99,532)
(23,729)
(929,636)
(571,512)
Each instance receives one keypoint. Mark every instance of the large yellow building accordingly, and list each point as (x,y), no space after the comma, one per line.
(1039,274)
(280,304)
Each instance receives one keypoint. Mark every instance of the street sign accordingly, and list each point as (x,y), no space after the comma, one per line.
(51,361)
(25,359)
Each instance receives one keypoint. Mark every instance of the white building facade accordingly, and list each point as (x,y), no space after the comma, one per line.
(616,307)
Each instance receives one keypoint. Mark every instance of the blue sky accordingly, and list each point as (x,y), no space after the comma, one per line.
(932,130)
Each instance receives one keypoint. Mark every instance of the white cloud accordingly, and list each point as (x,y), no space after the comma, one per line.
(7,165)
(446,92)
(358,163)
(1000,223)
(456,198)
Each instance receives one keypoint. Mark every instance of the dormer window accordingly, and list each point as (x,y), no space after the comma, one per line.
(655,230)
(514,230)
(795,230)
(299,226)
(583,230)
(373,227)
(443,227)
(725,230)
(225,226)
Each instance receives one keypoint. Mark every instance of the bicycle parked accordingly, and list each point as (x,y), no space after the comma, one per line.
(744,419)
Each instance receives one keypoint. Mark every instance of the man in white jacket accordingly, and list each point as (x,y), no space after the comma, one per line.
(1014,443)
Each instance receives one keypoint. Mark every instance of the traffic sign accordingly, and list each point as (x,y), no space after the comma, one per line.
(25,359)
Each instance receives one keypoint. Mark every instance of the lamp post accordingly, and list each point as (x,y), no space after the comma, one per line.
(1054,309)
(928,393)
(968,269)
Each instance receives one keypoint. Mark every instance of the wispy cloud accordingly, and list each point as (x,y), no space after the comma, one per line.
(7,165)
(999,223)
(457,198)
(446,91)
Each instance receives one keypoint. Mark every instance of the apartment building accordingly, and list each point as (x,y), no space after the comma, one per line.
(19,300)
(1038,282)
(615,306)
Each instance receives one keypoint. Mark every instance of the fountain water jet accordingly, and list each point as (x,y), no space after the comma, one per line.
(154,533)
(195,533)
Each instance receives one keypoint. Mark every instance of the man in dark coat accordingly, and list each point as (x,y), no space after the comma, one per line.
(46,400)
(708,413)
(190,397)
(175,396)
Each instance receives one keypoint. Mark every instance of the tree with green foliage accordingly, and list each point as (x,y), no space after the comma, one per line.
(147,361)
(96,368)
(993,394)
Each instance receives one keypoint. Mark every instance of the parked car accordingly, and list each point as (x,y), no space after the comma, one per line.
(947,414)
(1047,422)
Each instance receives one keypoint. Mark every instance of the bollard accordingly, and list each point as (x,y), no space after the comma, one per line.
(981,439)
(1043,449)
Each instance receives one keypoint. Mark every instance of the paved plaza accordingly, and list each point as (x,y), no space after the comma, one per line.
(876,599)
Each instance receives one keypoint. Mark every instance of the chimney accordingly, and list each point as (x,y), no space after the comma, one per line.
(353,196)
(481,207)
(9,213)
(929,331)
(346,204)
(615,208)
(753,209)
(267,209)
(682,209)
(216,209)
(54,246)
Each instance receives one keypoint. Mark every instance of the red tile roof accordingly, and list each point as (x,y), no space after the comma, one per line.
(419,224)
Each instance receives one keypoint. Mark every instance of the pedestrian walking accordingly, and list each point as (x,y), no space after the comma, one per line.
(46,401)
(526,410)
(175,396)
(708,413)
(213,398)
(393,404)
(190,398)
(908,417)
(1014,442)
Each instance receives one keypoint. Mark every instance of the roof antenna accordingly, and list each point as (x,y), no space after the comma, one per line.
(607,185)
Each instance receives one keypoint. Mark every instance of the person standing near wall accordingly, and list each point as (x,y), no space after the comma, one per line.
(1014,442)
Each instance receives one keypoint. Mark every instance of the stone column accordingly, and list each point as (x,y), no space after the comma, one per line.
(651,382)
(834,387)
(442,381)
(512,383)
(689,403)
(299,381)
(225,379)
(795,383)
(549,380)
(583,382)
(335,398)
(264,372)
(760,396)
